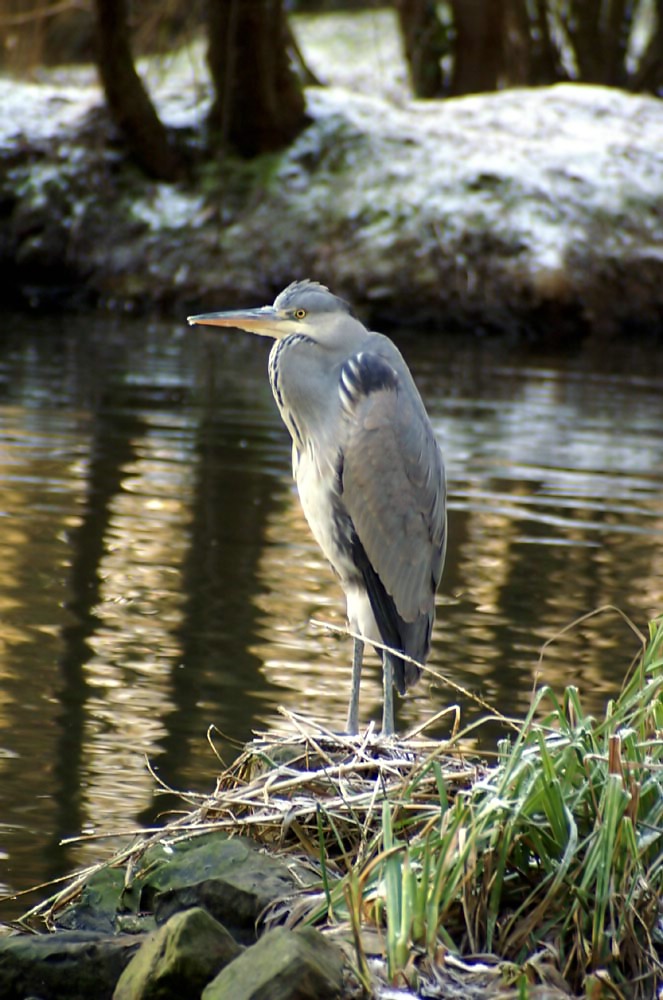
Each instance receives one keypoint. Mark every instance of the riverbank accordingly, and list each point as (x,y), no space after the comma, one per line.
(362,866)
(536,212)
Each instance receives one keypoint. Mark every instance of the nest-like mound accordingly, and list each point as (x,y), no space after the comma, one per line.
(307,792)
(316,787)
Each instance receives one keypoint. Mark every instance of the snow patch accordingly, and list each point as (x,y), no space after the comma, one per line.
(169,208)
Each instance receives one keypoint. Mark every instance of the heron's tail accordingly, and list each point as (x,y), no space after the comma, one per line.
(406,674)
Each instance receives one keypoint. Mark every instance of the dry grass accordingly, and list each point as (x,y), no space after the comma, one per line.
(322,791)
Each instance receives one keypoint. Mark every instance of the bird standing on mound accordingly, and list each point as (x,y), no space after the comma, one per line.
(368,469)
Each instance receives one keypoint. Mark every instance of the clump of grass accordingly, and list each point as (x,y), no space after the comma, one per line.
(556,852)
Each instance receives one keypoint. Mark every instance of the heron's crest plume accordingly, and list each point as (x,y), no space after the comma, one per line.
(312,296)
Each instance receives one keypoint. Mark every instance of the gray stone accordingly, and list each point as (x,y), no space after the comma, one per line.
(96,908)
(231,879)
(177,960)
(282,965)
(68,965)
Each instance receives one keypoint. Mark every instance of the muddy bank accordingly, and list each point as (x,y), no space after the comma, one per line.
(534,211)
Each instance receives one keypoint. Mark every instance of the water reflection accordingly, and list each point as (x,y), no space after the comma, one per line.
(157,576)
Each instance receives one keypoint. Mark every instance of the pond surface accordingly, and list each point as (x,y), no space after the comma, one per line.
(157,576)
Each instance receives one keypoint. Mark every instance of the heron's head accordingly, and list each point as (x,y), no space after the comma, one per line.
(304,307)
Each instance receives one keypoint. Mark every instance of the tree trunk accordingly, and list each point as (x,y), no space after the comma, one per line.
(259,104)
(649,73)
(423,45)
(582,25)
(545,55)
(128,101)
(479,46)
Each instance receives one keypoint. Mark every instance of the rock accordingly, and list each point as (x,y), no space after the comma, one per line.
(177,960)
(231,879)
(184,886)
(68,965)
(282,965)
(96,909)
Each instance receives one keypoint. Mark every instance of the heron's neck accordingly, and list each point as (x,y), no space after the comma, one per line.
(280,358)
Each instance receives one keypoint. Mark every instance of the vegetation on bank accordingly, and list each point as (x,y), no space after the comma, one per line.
(552,861)
(441,874)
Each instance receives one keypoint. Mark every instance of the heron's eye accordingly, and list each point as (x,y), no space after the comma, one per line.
(300,313)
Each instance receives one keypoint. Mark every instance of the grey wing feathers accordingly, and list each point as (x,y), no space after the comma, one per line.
(393,485)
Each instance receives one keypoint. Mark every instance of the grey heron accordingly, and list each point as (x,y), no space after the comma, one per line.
(368,468)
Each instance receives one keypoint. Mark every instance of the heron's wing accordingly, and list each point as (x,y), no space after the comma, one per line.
(393,479)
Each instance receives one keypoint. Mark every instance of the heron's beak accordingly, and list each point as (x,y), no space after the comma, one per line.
(266,321)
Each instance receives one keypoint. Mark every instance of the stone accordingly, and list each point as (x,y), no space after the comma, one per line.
(67,965)
(96,908)
(282,965)
(178,960)
(230,878)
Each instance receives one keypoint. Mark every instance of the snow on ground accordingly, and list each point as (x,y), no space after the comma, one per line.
(41,111)
(360,51)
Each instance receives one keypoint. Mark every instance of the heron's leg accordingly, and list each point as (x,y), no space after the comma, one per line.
(353,710)
(388,703)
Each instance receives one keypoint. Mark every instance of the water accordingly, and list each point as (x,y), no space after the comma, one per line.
(157,576)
